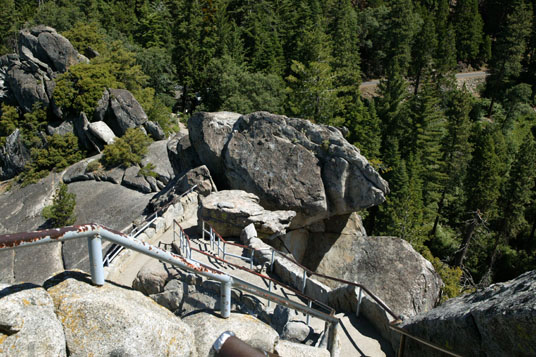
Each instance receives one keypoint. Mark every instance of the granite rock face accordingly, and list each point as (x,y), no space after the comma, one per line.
(109,320)
(28,324)
(209,133)
(290,164)
(127,112)
(207,328)
(229,211)
(13,156)
(499,320)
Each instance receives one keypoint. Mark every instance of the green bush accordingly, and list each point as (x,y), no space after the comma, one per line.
(59,152)
(147,170)
(80,88)
(61,212)
(127,150)
(451,276)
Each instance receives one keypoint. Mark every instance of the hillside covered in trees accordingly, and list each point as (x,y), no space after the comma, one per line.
(461,167)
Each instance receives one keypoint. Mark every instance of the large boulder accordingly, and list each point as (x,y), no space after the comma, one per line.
(125,112)
(209,133)
(157,155)
(389,267)
(28,87)
(13,156)
(182,154)
(229,211)
(497,321)
(290,164)
(109,320)
(50,47)
(208,327)
(28,324)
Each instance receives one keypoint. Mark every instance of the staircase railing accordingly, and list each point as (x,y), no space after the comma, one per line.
(94,233)
(392,325)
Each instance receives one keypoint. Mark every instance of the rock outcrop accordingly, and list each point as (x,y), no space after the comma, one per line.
(497,321)
(199,178)
(109,320)
(229,211)
(28,324)
(27,80)
(389,267)
(130,177)
(126,112)
(13,156)
(290,164)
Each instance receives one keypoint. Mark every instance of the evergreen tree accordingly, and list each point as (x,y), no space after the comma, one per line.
(7,22)
(505,65)
(365,130)
(445,57)
(429,128)
(456,151)
(423,51)
(61,212)
(468,25)
(345,54)
(515,198)
(402,26)
(484,179)
(194,47)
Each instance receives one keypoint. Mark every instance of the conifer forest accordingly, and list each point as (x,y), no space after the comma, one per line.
(460,162)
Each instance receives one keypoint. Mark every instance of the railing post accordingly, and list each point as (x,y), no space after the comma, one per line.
(402,346)
(304,281)
(360,296)
(174,231)
(332,338)
(270,290)
(95,260)
(272,261)
(251,259)
(224,251)
(218,244)
(308,317)
(225,299)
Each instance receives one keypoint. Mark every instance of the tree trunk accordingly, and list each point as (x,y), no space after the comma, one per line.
(460,256)
(439,209)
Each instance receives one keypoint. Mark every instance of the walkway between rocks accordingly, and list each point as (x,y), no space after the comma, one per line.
(357,336)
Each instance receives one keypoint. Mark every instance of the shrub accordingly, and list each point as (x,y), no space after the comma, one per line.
(61,212)
(147,170)
(80,88)
(60,151)
(127,150)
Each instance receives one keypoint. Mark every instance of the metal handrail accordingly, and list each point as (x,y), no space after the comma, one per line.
(187,245)
(392,324)
(95,233)
(114,250)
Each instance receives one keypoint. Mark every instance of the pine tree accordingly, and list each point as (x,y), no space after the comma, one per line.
(401,28)
(515,198)
(468,25)
(423,51)
(505,65)
(345,53)
(445,56)
(61,212)
(7,22)
(429,128)
(456,150)
(365,130)
(484,179)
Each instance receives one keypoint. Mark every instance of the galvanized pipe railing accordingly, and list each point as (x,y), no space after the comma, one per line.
(94,233)
(393,325)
